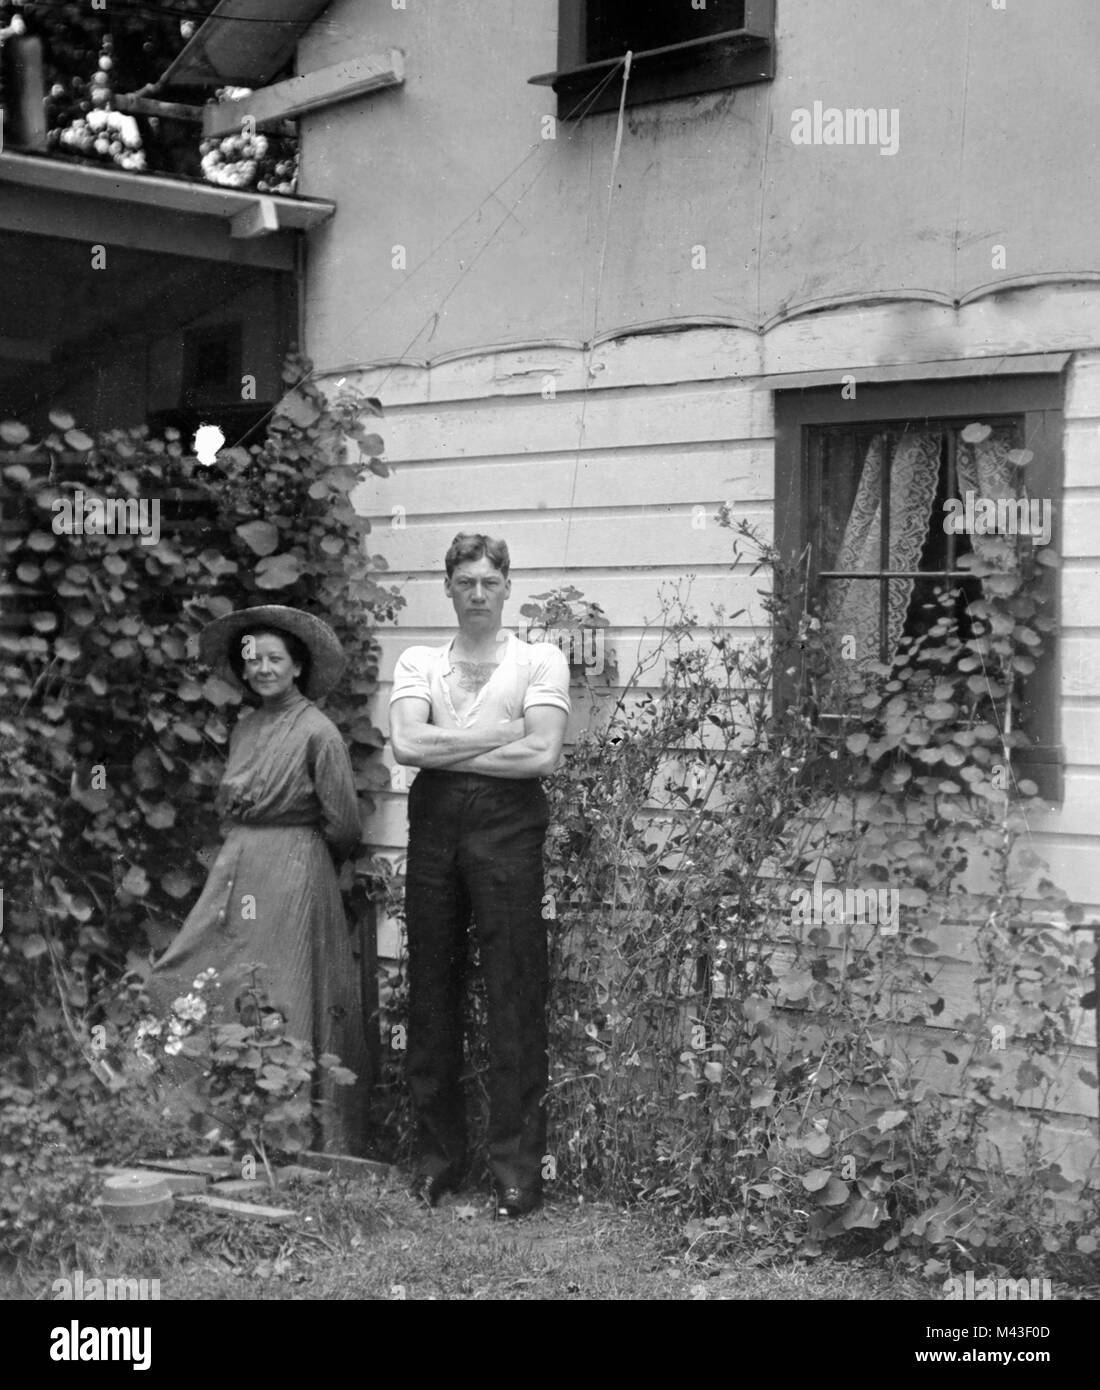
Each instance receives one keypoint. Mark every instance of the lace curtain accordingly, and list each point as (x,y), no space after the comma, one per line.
(853,605)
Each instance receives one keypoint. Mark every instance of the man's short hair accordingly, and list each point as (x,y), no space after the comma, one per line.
(468,545)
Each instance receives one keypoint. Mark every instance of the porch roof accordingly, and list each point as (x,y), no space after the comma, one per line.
(151,213)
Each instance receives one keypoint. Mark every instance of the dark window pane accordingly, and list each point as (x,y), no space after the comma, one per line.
(614,26)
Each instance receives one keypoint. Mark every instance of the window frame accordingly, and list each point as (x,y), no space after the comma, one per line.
(728,58)
(1038,398)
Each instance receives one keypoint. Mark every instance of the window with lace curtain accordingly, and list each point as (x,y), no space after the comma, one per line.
(861,488)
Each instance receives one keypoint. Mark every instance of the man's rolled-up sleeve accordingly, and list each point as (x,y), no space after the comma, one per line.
(410,675)
(549,679)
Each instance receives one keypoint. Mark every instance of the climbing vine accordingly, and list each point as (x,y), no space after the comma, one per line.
(762,912)
(112,736)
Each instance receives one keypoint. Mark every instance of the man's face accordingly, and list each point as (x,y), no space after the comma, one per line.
(478,590)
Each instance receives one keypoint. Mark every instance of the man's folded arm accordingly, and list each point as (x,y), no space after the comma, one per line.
(534,755)
(417,743)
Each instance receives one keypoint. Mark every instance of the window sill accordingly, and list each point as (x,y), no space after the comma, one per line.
(733,58)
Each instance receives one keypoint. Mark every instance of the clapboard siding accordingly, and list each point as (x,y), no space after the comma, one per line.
(579,540)
(1081,521)
(603,490)
(596,420)
(629,598)
(660,475)
(630,646)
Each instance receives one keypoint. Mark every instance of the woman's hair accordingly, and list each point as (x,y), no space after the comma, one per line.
(469,545)
(296,649)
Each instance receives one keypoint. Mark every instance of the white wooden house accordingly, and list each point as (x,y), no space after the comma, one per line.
(809,219)
(591,327)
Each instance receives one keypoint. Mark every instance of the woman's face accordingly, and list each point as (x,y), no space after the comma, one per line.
(268,668)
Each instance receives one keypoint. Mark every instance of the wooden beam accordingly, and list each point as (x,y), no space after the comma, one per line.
(214,1167)
(153,190)
(344,1166)
(53,215)
(260,219)
(249,1211)
(297,95)
(149,106)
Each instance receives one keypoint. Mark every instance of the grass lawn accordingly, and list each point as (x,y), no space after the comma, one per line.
(368,1240)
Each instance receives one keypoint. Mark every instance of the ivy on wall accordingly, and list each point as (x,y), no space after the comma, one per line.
(112,737)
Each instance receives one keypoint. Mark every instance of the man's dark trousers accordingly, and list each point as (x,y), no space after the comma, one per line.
(475,846)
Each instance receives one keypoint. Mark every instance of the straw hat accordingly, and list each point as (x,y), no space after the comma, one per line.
(327,656)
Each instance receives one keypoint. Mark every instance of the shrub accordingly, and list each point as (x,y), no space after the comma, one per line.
(112,737)
(752,1066)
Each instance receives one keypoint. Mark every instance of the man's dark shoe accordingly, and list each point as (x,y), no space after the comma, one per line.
(427,1189)
(513,1202)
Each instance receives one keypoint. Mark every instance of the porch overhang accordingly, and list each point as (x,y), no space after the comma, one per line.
(182,218)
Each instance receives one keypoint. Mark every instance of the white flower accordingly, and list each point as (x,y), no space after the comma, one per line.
(190,1007)
(128,129)
(173,1046)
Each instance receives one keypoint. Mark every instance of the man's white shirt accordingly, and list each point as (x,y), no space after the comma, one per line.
(529,674)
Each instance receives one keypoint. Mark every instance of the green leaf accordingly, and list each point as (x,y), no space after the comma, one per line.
(296,408)
(890,1119)
(261,537)
(161,816)
(77,439)
(835,1193)
(816,1179)
(278,571)
(13,432)
(135,882)
(176,884)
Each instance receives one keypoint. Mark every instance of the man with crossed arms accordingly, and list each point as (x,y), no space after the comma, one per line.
(484,718)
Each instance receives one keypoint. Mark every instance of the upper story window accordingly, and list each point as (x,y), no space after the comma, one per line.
(679,47)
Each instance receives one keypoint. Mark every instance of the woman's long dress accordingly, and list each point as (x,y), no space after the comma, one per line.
(288,804)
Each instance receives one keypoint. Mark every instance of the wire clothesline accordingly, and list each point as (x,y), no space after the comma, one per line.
(579,111)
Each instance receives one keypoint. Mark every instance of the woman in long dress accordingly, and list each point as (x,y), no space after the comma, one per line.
(289,810)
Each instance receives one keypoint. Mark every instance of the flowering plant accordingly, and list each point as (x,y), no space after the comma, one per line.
(255,1081)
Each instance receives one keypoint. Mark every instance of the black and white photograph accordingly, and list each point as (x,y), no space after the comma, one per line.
(549,667)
